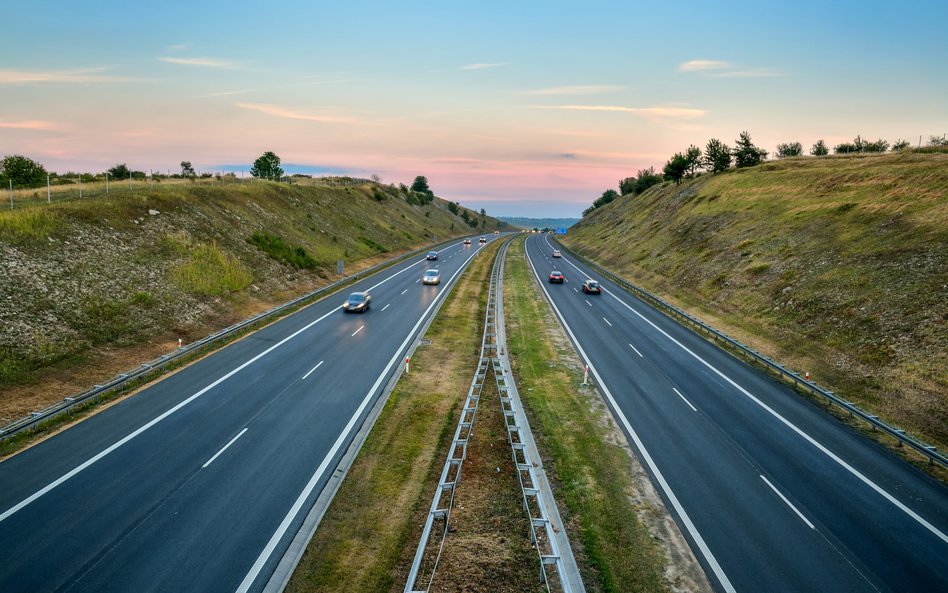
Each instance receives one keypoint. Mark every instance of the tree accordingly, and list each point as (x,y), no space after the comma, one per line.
(120,172)
(819,149)
(693,156)
(607,196)
(938,140)
(187,170)
(420,185)
(746,154)
(789,149)
(645,179)
(675,168)
(627,186)
(267,166)
(900,145)
(483,212)
(22,171)
(717,156)
(452,206)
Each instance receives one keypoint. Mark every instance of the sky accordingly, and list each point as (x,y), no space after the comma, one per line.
(521,108)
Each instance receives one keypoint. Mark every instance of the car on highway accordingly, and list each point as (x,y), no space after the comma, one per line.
(358,302)
(496,232)
(432,255)
(591,287)
(556,253)
(431,277)
(467,241)
(482,240)
(557,277)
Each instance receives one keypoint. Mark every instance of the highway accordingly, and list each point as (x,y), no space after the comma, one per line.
(200,481)
(773,493)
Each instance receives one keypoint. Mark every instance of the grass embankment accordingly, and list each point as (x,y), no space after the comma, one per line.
(836,266)
(367,538)
(90,288)
(611,510)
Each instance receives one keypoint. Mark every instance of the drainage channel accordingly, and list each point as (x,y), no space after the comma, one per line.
(557,570)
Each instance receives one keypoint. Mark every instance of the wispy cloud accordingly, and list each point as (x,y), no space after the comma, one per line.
(283,112)
(179,46)
(30,124)
(224,94)
(203,62)
(78,76)
(754,73)
(579,89)
(671,112)
(702,65)
(483,66)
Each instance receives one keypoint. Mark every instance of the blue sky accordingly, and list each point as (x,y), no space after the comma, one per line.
(526,109)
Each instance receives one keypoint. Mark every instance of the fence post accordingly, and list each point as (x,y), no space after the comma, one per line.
(49,199)
(106,182)
(80,185)
(11,194)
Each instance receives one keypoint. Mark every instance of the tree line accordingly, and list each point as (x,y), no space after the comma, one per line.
(718,157)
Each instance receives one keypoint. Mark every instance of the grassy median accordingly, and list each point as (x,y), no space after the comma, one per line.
(627,541)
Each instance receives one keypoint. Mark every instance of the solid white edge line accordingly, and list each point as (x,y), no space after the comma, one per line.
(224,448)
(852,470)
(313,369)
(94,459)
(659,477)
(361,327)
(789,504)
(636,350)
(684,399)
(311,485)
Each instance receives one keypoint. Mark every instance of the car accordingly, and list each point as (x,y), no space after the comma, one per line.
(591,287)
(432,255)
(557,277)
(467,241)
(482,240)
(556,253)
(431,277)
(496,232)
(358,302)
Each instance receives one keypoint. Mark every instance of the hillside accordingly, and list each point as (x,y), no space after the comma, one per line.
(539,223)
(837,266)
(89,288)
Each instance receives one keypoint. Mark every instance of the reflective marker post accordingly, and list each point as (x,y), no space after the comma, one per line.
(407,372)
(586,375)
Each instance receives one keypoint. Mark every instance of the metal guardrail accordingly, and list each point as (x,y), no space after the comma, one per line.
(159,364)
(535,491)
(926,450)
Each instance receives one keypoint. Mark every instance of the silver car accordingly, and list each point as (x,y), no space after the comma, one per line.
(431,277)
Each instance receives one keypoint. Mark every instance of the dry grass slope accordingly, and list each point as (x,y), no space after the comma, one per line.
(836,266)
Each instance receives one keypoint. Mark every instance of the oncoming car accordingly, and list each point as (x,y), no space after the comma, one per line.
(556,253)
(358,302)
(591,287)
(432,255)
(556,277)
(431,277)
(467,241)
(482,240)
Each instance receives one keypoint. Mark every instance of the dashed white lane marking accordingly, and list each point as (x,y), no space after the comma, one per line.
(404,291)
(576,291)
(386,306)
(789,504)
(313,369)
(636,350)
(224,448)
(693,409)
(606,320)
(358,330)
(588,303)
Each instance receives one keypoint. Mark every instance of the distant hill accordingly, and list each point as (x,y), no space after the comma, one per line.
(837,266)
(539,223)
(96,286)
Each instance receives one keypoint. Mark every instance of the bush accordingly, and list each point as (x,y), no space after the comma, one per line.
(279,250)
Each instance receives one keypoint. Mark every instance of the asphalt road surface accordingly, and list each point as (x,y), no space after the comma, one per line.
(773,492)
(200,481)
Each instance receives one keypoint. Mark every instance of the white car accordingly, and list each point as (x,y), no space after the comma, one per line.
(431,277)
(556,253)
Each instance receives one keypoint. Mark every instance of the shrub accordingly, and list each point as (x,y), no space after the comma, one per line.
(279,250)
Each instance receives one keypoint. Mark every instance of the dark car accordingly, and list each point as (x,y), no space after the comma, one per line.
(432,255)
(556,277)
(482,240)
(467,241)
(358,302)
(592,287)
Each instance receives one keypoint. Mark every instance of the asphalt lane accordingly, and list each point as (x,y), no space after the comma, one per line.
(199,482)
(774,493)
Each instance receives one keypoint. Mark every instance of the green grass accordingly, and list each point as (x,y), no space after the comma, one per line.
(28,224)
(278,249)
(594,475)
(210,271)
(834,266)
